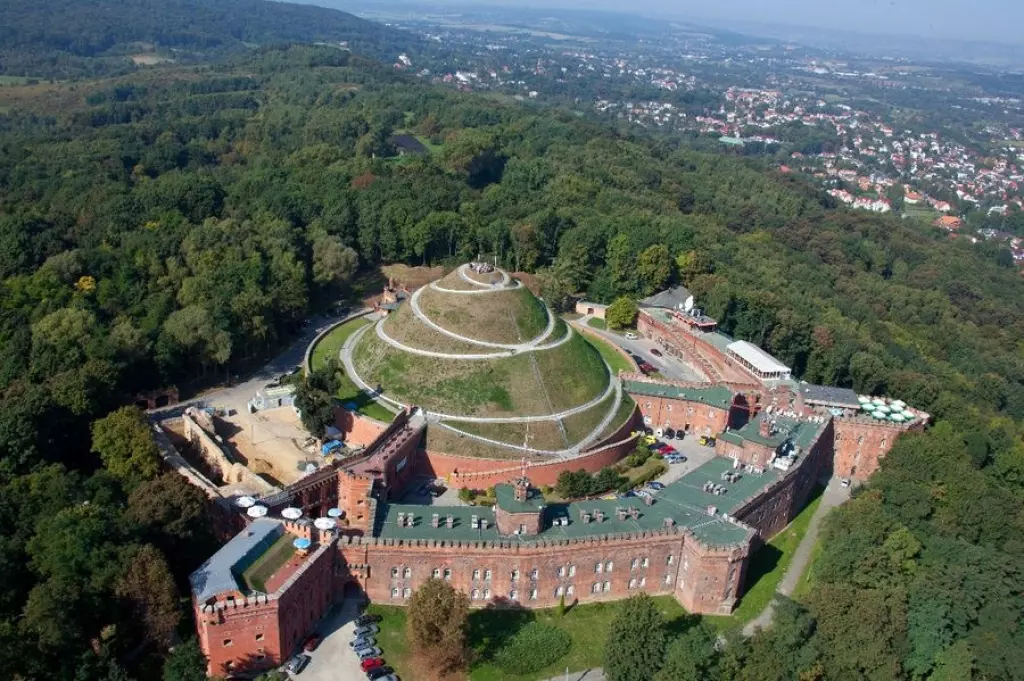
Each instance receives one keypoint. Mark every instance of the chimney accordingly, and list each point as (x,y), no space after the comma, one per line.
(521,489)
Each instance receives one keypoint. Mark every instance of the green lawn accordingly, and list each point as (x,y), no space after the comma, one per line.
(391,639)
(328,347)
(598,323)
(489,628)
(770,562)
(920,212)
(612,356)
(258,573)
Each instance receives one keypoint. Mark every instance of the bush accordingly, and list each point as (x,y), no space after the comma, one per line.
(652,474)
(534,647)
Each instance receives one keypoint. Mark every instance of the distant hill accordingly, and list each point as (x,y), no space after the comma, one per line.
(67,38)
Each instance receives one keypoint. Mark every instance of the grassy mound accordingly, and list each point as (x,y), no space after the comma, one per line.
(512,316)
(529,384)
(403,326)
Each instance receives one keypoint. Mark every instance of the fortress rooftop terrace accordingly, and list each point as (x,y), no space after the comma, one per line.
(684,502)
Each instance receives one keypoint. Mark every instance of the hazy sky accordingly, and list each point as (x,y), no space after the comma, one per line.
(1000,20)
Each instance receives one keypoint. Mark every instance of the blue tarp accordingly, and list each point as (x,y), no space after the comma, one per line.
(330,446)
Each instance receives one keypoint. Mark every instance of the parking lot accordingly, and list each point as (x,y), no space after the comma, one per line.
(695,453)
(333,659)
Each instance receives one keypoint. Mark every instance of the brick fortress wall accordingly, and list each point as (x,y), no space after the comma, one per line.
(657,562)
(260,631)
(861,442)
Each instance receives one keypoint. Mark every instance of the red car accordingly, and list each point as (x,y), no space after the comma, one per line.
(371,662)
(311,643)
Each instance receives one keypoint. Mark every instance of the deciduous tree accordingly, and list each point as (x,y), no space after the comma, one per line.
(124,441)
(636,641)
(437,624)
(621,314)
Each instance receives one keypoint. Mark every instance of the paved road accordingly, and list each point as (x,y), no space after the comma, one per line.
(834,495)
(237,395)
(669,367)
(596,674)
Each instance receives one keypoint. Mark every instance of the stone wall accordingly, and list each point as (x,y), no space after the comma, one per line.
(200,430)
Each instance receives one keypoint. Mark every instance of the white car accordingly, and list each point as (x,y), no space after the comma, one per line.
(630,335)
(366,653)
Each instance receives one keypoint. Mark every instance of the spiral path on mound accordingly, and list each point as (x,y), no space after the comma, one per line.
(540,343)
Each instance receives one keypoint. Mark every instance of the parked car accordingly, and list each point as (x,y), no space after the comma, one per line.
(845,482)
(656,352)
(362,642)
(371,663)
(630,335)
(656,485)
(363,620)
(368,652)
(378,672)
(366,630)
(311,643)
(680,434)
(669,433)
(642,493)
(669,451)
(707,441)
(298,663)
(389,677)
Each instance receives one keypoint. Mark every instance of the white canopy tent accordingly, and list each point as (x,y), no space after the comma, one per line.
(758,361)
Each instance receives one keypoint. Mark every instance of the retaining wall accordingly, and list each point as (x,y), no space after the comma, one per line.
(478,473)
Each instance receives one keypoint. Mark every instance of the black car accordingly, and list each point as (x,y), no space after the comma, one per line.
(363,620)
(377,672)
(298,663)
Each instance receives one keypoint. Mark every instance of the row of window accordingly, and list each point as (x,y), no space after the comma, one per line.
(563,570)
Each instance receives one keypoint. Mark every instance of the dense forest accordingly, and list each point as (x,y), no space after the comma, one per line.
(168,227)
(58,39)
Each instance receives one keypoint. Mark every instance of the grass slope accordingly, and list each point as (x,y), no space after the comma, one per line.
(613,357)
(570,375)
(327,348)
(514,316)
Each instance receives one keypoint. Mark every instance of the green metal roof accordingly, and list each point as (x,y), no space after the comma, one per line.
(505,496)
(718,396)
(684,501)
(802,433)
